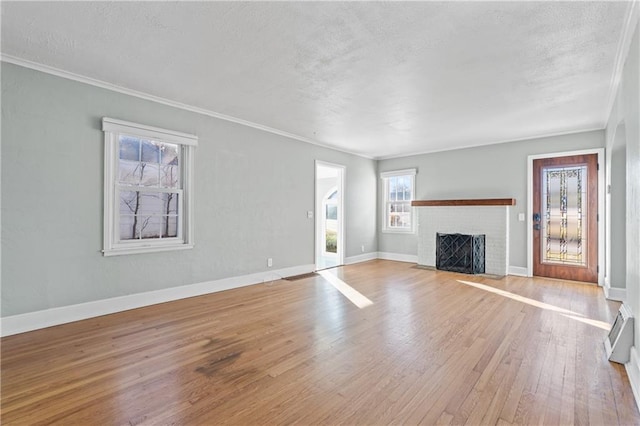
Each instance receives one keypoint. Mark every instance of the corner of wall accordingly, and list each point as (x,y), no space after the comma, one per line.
(398,257)
(361,258)
(518,271)
(613,293)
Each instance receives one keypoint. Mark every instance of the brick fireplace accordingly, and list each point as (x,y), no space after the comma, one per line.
(488,216)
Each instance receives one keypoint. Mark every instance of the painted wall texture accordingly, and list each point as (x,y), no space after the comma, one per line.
(493,171)
(617,161)
(252,193)
(625,117)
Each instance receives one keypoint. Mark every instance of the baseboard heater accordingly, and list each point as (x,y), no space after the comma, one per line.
(620,339)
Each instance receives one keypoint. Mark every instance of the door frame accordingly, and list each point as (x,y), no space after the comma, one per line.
(342,176)
(601,205)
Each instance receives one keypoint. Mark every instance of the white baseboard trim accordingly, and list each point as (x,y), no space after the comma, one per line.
(398,257)
(360,258)
(55,316)
(633,371)
(518,271)
(614,293)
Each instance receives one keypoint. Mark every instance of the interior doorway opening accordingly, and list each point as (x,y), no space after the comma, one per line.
(329,224)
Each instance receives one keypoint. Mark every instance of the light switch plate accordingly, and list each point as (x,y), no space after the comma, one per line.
(521,217)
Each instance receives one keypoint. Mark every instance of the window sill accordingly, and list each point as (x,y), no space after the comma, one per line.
(139,250)
(398,231)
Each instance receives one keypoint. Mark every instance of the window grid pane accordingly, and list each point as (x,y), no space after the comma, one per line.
(401,186)
(145,162)
(398,197)
(146,214)
(392,189)
(399,215)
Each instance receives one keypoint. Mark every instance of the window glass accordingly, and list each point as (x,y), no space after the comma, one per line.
(398,213)
(332,212)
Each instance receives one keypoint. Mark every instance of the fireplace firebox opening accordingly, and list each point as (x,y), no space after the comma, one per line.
(460,253)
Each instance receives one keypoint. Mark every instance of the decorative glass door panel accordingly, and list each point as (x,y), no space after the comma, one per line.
(565,205)
(564,200)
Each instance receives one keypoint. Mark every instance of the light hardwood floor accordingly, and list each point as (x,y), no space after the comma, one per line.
(430,349)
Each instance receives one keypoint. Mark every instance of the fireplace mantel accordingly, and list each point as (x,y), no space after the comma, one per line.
(475,202)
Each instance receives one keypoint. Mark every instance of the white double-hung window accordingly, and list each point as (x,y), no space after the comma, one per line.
(147,188)
(398,190)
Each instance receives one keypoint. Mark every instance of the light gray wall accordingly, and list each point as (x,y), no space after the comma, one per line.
(494,171)
(626,112)
(618,237)
(252,192)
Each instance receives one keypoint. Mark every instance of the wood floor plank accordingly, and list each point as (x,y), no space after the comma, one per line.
(432,349)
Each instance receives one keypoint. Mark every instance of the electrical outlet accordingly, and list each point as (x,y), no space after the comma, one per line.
(309,214)
(362,248)
(269,262)
(521,217)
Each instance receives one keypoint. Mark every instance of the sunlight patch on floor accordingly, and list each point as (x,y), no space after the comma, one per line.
(347,291)
(564,312)
(600,324)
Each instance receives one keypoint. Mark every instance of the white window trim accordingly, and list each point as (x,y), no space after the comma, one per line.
(385,190)
(405,172)
(112,129)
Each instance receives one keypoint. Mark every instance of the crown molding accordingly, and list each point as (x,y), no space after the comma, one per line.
(622,51)
(164,101)
(497,142)
(168,102)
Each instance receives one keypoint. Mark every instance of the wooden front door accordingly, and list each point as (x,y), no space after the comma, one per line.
(565,217)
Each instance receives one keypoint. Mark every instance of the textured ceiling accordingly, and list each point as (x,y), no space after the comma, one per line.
(379,79)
